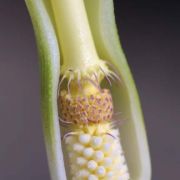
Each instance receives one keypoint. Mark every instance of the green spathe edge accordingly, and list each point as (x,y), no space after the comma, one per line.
(102,23)
(133,135)
(50,69)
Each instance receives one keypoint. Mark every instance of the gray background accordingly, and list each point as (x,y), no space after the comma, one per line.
(150,34)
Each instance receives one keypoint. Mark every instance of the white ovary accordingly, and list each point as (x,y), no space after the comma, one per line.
(95,156)
(109,174)
(92,177)
(81,161)
(98,156)
(82,173)
(101,171)
(96,141)
(78,147)
(84,138)
(106,148)
(88,152)
(92,165)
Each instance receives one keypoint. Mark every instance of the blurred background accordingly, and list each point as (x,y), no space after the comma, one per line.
(150,35)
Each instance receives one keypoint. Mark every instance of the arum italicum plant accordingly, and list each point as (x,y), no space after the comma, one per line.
(85,83)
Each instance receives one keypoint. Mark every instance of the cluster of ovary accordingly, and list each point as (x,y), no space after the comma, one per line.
(93,146)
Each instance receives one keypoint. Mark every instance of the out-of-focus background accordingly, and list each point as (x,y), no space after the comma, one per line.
(150,35)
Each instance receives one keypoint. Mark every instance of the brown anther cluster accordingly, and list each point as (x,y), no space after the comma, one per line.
(95,108)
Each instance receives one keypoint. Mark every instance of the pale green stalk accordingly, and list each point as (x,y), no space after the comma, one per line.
(74,34)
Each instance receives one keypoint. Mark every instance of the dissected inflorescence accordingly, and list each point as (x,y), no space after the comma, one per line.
(92,144)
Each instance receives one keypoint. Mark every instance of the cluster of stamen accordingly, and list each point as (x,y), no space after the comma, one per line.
(96,107)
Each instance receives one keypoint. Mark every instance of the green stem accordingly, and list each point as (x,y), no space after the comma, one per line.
(78,49)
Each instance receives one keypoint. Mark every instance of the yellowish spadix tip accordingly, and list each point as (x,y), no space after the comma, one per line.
(95,153)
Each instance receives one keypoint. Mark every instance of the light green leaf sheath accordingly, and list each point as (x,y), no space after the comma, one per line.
(100,14)
(50,70)
(134,141)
